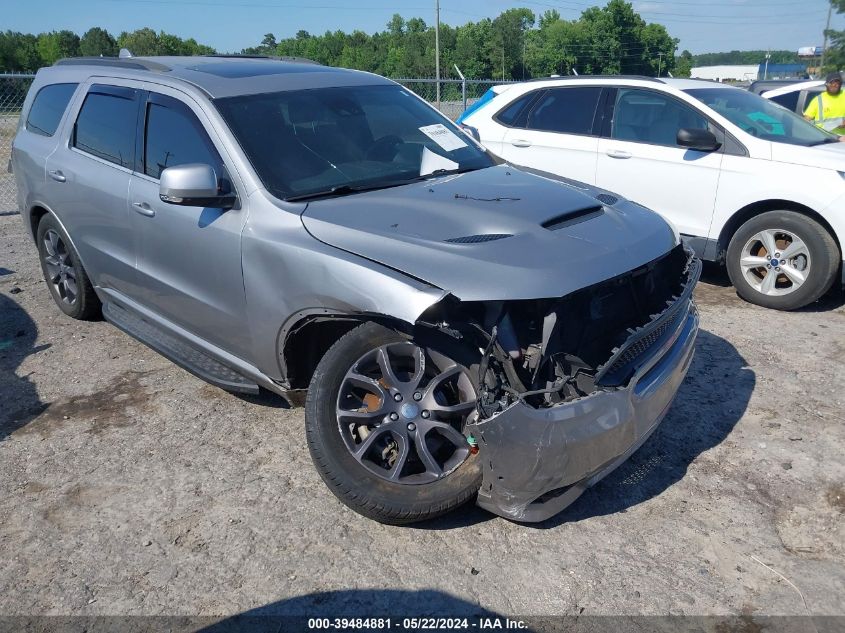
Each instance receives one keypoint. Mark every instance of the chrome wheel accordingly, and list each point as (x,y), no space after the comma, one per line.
(775,262)
(60,271)
(401,410)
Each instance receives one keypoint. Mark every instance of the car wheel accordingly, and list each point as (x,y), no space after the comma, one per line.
(69,285)
(782,260)
(384,420)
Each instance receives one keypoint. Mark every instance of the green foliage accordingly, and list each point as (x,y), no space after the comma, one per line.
(684,64)
(56,45)
(96,42)
(745,58)
(835,57)
(514,45)
(24,52)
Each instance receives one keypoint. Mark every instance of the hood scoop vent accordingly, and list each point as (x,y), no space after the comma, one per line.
(478,239)
(606,198)
(573,217)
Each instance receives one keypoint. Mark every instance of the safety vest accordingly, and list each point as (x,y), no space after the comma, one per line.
(832,120)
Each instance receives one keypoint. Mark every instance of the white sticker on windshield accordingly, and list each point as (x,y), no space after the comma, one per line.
(443,136)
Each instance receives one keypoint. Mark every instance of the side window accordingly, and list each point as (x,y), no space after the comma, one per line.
(106,125)
(788,100)
(812,93)
(174,136)
(514,115)
(48,107)
(651,117)
(565,110)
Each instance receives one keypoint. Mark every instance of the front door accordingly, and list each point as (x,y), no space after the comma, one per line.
(643,162)
(189,258)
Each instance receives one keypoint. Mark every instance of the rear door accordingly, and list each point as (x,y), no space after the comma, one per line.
(189,258)
(558,133)
(640,159)
(88,179)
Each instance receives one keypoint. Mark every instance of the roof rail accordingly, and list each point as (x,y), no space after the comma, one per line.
(577,77)
(298,60)
(126,62)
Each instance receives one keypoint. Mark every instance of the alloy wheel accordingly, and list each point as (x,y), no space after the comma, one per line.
(401,410)
(60,270)
(775,262)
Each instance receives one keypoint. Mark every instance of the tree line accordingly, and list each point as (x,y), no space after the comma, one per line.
(25,52)
(516,44)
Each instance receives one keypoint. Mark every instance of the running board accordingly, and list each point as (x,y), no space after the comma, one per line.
(183,354)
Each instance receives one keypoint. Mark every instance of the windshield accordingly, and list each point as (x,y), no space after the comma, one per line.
(761,117)
(347,138)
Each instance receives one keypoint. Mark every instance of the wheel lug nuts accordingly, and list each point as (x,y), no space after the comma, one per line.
(782,262)
(777,269)
(412,426)
(417,396)
(394,416)
(777,255)
(397,397)
(425,414)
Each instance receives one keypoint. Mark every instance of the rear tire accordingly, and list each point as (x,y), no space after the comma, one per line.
(801,268)
(358,482)
(63,272)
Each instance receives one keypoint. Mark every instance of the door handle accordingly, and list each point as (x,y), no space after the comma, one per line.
(518,142)
(618,153)
(144,209)
(57,175)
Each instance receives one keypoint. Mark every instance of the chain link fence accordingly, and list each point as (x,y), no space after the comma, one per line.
(455,96)
(12,93)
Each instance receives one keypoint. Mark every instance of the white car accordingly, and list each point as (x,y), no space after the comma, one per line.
(796,97)
(746,182)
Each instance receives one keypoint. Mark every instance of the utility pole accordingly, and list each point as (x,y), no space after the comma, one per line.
(826,29)
(503,62)
(437,47)
(766,72)
(659,62)
(523,57)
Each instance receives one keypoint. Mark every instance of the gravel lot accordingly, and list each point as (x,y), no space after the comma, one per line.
(127,486)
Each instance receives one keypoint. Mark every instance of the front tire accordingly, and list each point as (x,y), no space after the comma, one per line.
(782,260)
(66,279)
(384,421)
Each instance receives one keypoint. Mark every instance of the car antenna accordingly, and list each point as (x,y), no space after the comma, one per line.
(125,53)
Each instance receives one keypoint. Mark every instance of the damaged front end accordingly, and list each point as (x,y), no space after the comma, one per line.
(569,387)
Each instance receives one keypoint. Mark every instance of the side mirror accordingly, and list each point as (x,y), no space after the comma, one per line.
(698,139)
(193,185)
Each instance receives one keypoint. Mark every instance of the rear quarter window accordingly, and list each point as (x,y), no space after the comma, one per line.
(788,100)
(48,107)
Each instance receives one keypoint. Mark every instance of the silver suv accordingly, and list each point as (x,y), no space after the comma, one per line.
(464,329)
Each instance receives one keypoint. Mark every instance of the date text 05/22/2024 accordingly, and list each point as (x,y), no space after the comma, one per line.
(415,624)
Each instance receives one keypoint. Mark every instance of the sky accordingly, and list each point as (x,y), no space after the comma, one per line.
(231,25)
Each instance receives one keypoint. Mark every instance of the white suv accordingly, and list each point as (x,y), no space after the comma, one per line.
(746,182)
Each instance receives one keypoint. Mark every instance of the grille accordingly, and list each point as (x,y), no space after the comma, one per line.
(477,239)
(606,198)
(642,345)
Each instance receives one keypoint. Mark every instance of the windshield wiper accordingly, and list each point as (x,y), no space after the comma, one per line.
(445,172)
(343,190)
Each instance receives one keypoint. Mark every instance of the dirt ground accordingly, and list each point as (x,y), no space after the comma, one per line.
(127,486)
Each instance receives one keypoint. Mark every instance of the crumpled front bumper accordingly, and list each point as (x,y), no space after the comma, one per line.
(538,461)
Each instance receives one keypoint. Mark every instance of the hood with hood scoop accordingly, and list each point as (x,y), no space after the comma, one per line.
(496,233)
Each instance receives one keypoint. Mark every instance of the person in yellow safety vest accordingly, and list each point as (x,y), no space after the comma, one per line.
(827,110)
